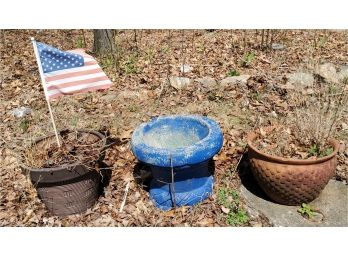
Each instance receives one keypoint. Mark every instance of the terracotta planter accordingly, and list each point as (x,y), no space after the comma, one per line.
(67,189)
(291,181)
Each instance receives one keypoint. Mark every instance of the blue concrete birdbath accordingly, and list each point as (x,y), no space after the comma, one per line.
(178,149)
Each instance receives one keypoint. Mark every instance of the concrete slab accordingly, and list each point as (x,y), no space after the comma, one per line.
(332,203)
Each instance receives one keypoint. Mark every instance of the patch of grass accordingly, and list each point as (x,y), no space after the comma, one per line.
(233,73)
(230,201)
(234,120)
(345,80)
(108,61)
(129,66)
(326,152)
(74,121)
(333,89)
(306,211)
(133,108)
(237,218)
(79,43)
(248,59)
(257,96)
(24,125)
(322,41)
(149,55)
(165,49)
(315,151)
(200,48)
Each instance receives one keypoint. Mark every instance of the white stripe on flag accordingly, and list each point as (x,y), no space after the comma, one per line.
(67,71)
(72,79)
(76,88)
(87,59)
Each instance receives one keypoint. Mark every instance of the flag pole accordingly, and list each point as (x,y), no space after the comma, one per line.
(45,88)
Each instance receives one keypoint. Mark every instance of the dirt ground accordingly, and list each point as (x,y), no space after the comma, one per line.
(140,69)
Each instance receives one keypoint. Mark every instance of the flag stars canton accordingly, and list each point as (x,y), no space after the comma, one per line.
(53,59)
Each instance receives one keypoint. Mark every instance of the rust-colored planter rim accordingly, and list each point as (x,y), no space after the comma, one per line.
(253,135)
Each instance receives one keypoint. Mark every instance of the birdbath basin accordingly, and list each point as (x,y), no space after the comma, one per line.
(178,149)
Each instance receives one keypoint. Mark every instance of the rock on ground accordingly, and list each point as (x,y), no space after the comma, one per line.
(301,79)
(328,72)
(235,80)
(278,46)
(343,73)
(185,68)
(332,203)
(207,82)
(179,82)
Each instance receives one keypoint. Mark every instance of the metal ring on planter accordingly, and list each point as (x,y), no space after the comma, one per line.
(178,149)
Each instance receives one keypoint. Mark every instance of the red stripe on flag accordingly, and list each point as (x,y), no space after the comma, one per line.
(62,82)
(73,74)
(97,88)
(76,83)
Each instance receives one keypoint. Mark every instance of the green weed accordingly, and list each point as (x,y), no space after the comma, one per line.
(129,66)
(315,151)
(133,108)
(230,200)
(322,41)
(248,59)
(233,73)
(79,43)
(24,125)
(306,211)
(108,61)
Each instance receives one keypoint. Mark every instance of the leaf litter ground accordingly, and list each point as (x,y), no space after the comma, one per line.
(141,91)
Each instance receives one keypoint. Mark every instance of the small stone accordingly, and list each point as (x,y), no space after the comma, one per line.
(179,82)
(129,94)
(274,114)
(328,72)
(207,82)
(286,86)
(344,126)
(235,80)
(255,224)
(343,73)
(278,46)
(301,79)
(108,98)
(310,91)
(21,111)
(225,210)
(186,68)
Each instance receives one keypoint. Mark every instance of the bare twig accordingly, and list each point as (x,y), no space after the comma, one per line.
(124,197)
(245,147)
(182,53)
(84,38)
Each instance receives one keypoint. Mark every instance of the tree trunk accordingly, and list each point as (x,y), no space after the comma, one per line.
(104,41)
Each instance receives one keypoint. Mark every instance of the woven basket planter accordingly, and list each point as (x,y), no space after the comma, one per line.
(291,181)
(67,189)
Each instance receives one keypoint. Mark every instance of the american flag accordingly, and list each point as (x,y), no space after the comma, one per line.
(70,72)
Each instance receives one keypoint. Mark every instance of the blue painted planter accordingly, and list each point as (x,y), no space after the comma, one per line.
(186,143)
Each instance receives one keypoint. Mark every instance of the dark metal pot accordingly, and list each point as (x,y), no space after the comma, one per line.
(67,189)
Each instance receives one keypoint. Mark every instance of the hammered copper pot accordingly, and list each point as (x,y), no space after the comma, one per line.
(291,181)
